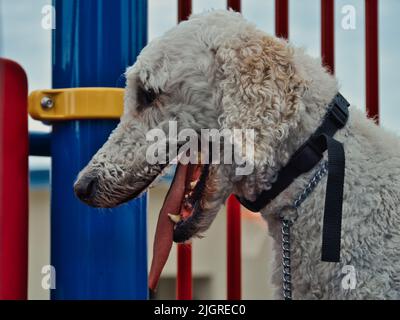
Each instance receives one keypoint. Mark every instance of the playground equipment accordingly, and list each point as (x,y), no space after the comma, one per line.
(105,251)
(101,254)
(13,181)
(97,254)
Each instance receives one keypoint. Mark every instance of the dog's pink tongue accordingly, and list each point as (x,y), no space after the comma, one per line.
(163,238)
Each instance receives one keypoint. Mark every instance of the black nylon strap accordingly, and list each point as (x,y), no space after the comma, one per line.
(301,162)
(332,226)
(304,159)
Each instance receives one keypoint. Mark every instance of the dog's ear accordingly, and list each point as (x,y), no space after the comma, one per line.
(260,89)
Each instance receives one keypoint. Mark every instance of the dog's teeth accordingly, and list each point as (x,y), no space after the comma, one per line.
(193,184)
(174,217)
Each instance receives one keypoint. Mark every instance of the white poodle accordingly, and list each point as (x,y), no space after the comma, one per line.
(218,71)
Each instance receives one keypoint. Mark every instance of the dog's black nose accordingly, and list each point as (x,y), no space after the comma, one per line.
(85,187)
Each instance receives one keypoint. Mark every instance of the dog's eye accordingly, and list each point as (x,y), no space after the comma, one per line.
(146,96)
(150,96)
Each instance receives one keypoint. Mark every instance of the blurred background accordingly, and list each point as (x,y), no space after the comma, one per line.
(23,39)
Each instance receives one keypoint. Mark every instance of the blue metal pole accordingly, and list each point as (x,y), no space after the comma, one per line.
(97,253)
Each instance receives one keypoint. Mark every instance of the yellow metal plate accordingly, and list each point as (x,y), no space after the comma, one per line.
(77,103)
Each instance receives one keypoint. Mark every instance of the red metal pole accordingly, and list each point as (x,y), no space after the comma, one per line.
(372,58)
(233,241)
(184,289)
(234,250)
(13,181)
(235,5)
(328,34)
(184,278)
(282,18)
(184,9)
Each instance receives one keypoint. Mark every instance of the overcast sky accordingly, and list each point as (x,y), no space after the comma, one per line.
(23,39)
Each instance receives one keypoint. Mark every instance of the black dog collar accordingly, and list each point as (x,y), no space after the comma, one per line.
(306,158)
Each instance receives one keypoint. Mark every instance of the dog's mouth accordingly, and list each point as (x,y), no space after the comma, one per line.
(182,205)
(191,204)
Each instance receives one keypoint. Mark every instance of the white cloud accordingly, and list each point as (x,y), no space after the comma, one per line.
(261,13)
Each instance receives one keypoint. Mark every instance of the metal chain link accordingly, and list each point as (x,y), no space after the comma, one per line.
(321,172)
(286,271)
(288,222)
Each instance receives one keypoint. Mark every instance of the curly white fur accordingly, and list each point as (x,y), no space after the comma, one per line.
(218,71)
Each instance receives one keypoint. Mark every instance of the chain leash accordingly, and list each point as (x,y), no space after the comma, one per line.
(287,223)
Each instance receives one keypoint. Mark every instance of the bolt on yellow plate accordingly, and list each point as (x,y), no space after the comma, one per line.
(76,103)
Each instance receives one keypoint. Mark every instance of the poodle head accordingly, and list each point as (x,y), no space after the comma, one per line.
(217,72)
